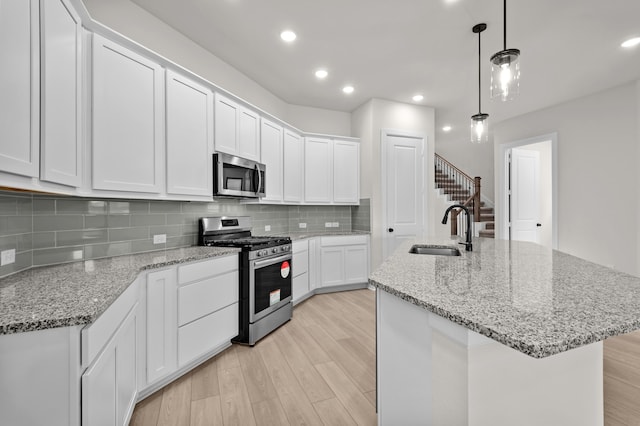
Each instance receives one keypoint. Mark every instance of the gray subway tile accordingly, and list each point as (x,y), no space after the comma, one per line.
(80,206)
(12,225)
(140,246)
(119,221)
(128,234)
(96,251)
(8,206)
(95,221)
(70,238)
(44,240)
(169,231)
(44,206)
(182,241)
(165,207)
(23,261)
(148,219)
(128,207)
(53,256)
(58,223)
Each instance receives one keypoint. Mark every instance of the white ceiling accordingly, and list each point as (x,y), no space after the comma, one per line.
(393,49)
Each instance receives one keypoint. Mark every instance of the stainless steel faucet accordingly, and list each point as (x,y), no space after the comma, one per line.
(468,246)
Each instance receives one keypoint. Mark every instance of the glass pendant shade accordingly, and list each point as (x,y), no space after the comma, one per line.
(505,74)
(479,128)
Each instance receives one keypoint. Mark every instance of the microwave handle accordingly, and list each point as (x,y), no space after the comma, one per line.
(259,179)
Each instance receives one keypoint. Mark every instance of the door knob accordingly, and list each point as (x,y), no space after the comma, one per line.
(390,229)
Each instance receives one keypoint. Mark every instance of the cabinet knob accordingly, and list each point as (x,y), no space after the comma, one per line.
(390,229)
(538,224)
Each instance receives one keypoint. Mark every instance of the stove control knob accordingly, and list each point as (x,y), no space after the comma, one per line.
(274,250)
(261,253)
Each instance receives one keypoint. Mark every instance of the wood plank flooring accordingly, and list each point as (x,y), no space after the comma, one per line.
(320,369)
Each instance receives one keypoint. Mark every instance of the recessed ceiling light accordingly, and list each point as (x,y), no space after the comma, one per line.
(348,89)
(418,98)
(631,42)
(446,129)
(322,74)
(288,36)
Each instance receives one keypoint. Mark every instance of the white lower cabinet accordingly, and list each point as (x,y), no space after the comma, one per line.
(344,260)
(161,325)
(109,385)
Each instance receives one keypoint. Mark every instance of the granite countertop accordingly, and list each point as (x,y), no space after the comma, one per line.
(538,301)
(77,293)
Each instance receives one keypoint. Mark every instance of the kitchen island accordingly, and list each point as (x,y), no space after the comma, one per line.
(510,333)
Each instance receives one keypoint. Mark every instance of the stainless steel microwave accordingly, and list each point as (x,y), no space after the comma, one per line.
(237,177)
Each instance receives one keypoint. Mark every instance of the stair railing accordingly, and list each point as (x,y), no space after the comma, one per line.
(459,182)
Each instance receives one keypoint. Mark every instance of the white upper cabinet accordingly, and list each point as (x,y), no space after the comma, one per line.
(271,136)
(346,172)
(60,145)
(318,165)
(237,129)
(189,137)
(127,133)
(19,87)
(293,147)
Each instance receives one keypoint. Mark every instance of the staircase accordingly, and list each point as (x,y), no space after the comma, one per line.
(459,188)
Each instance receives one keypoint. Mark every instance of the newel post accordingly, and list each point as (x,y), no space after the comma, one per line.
(476,200)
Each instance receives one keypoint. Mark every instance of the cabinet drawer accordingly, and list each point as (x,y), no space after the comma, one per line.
(205,334)
(201,270)
(343,240)
(203,297)
(95,336)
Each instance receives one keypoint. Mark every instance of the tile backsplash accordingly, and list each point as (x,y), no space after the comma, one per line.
(49,229)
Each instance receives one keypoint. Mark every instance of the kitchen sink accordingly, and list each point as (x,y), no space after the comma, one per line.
(434,249)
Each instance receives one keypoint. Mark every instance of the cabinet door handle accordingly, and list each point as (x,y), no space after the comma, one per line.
(538,224)
(390,229)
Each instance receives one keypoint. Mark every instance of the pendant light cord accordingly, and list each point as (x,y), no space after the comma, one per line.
(479,80)
(505,24)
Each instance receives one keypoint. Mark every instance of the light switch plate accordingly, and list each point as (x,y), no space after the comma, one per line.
(328,225)
(159,238)
(7,257)
(267,228)
(336,224)
(302,225)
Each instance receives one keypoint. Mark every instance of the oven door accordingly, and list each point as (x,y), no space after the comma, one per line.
(269,285)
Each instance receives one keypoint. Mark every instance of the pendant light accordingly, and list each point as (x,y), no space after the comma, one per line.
(479,121)
(505,69)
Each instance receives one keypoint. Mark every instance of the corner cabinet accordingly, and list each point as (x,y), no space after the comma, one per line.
(237,129)
(344,260)
(127,125)
(20,99)
(189,137)
(61,96)
(332,171)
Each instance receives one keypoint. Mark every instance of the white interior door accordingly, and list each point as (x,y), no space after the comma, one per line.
(525,195)
(403,165)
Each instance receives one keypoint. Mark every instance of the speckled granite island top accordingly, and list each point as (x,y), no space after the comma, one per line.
(77,293)
(538,301)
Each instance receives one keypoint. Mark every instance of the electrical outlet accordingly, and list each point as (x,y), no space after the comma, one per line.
(302,225)
(159,238)
(7,257)
(336,224)
(328,224)
(267,228)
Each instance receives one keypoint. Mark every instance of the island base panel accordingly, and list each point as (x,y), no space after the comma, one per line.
(433,371)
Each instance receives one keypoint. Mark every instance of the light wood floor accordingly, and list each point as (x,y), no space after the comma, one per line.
(317,369)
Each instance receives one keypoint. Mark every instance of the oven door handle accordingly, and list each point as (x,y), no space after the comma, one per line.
(266,262)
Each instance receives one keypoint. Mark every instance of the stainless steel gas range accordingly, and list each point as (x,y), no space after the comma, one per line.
(265,274)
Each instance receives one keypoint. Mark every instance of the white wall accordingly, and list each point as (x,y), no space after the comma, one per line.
(368,121)
(137,24)
(473,159)
(317,120)
(598,178)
